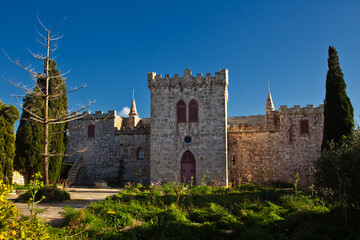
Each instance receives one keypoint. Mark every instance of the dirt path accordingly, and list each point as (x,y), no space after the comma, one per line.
(80,197)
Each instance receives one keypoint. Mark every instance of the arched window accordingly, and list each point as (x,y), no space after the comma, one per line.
(193,111)
(141,153)
(181,111)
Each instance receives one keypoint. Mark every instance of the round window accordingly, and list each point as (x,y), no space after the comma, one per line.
(187,139)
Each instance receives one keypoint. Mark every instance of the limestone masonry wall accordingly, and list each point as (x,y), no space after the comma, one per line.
(209,139)
(112,154)
(275,154)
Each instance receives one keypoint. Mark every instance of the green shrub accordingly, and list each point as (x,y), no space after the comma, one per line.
(200,190)
(336,175)
(52,194)
(12,226)
(249,187)
(282,185)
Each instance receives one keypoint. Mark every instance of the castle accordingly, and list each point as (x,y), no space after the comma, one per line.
(189,137)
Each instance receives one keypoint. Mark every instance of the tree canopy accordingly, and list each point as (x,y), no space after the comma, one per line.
(338,111)
(30,135)
(8,115)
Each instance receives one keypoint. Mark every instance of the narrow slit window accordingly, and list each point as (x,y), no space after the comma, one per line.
(193,111)
(141,154)
(304,126)
(91,131)
(181,111)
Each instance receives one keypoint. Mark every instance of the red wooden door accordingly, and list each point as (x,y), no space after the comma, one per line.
(188,171)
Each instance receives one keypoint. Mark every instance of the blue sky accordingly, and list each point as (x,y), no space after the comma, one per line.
(112,45)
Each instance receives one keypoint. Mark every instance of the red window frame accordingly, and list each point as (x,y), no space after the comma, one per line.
(193,111)
(91,131)
(181,111)
(304,127)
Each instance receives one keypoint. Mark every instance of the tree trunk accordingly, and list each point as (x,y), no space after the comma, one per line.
(46,112)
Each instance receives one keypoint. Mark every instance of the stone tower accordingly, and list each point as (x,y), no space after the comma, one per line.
(189,127)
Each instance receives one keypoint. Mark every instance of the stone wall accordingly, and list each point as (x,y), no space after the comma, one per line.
(110,155)
(261,153)
(209,136)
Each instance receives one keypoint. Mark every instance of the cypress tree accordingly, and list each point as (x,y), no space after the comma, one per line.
(8,115)
(338,111)
(30,135)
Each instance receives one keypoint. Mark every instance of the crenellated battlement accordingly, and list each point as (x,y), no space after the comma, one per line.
(155,80)
(296,109)
(132,131)
(246,128)
(97,115)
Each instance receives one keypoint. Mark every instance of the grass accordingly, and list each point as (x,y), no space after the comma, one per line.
(201,212)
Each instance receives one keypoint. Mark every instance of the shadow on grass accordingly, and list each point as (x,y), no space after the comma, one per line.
(269,214)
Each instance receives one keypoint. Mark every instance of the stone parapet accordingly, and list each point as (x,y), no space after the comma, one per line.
(132,131)
(246,128)
(157,81)
(97,114)
(296,109)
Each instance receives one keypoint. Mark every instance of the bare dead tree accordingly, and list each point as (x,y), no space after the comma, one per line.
(49,41)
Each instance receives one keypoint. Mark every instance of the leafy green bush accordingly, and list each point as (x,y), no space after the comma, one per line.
(12,226)
(282,185)
(336,175)
(249,187)
(51,194)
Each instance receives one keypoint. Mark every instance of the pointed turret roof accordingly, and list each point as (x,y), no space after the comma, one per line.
(269,103)
(133,108)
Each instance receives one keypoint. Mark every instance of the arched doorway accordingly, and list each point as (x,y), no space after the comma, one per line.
(188,170)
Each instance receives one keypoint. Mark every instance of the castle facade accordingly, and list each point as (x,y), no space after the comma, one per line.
(189,137)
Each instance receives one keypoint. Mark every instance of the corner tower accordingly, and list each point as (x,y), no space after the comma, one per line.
(188,127)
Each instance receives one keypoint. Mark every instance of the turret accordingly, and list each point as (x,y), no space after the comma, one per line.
(270,112)
(269,103)
(133,115)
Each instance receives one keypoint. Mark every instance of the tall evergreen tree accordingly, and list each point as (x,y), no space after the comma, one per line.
(338,111)
(30,135)
(8,115)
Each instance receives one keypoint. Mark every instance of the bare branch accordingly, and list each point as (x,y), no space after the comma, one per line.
(67,155)
(27,90)
(76,88)
(70,117)
(37,55)
(37,15)
(60,75)
(38,32)
(28,68)
(40,42)
(61,23)
(53,38)
(41,119)
(30,119)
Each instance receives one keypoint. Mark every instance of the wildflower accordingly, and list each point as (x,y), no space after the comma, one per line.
(110,212)
(12,233)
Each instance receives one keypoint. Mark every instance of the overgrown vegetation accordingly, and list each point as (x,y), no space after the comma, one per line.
(177,211)
(14,226)
(337,171)
(37,192)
